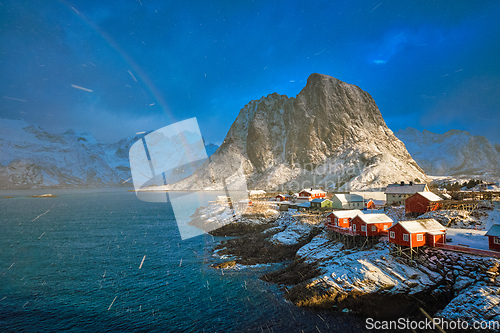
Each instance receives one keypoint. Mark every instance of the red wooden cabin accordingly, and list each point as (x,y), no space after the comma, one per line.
(422,202)
(283,197)
(417,233)
(342,218)
(311,194)
(494,237)
(371,224)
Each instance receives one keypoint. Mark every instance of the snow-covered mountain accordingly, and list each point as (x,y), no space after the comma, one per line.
(452,153)
(30,157)
(331,134)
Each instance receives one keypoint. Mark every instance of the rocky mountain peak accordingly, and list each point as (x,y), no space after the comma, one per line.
(330,123)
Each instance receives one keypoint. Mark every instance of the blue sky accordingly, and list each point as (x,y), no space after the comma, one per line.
(428,64)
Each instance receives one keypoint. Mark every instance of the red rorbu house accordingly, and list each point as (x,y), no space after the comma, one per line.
(494,237)
(371,224)
(310,194)
(374,204)
(341,218)
(283,197)
(422,202)
(416,233)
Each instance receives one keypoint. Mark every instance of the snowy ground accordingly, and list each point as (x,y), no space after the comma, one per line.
(293,230)
(472,238)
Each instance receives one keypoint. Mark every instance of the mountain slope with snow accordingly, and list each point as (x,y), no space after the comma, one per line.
(331,134)
(30,157)
(452,153)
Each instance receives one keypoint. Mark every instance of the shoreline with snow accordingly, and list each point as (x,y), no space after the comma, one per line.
(319,272)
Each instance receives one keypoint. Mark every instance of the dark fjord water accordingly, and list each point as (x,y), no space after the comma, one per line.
(71,263)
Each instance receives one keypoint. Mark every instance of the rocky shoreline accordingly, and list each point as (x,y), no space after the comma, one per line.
(370,282)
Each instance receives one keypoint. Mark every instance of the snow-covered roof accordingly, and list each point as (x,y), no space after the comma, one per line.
(313,191)
(304,204)
(494,230)
(345,198)
(341,214)
(375,218)
(430,196)
(446,195)
(405,189)
(320,200)
(436,232)
(257,192)
(423,225)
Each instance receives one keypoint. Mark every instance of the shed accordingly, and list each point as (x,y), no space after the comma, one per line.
(283,197)
(417,233)
(304,206)
(422,202)
(320,203)
(347,201)
(374,204)
(494,237)
(397,193)
(371,224)
(342,218)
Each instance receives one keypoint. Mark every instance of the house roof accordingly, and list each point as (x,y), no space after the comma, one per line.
(405,189)
(304,204)
(257,192)
(313,191)
(494,230)
(430,196)
(423,225)
(341,214)
(375,218)
(345,198)
(320,200)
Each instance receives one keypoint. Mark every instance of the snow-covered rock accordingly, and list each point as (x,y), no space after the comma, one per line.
(479,302)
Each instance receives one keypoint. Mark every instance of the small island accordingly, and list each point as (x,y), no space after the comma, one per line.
(48,195)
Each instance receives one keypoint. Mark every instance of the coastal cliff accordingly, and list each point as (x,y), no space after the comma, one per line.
(370,281)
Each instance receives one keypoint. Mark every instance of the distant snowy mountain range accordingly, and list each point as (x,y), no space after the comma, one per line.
(30,157)
(331,134)
(452,153)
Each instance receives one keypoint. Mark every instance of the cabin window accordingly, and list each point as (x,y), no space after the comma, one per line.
(420,237)
(385,228)
(363,228)
(496,240)
(392,234)
(406,237)
(374,228)
(353,227)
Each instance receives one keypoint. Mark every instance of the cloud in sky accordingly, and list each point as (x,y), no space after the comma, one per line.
(208,59)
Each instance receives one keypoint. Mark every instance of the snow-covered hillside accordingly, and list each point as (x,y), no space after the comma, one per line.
(452,153)
(30,157)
